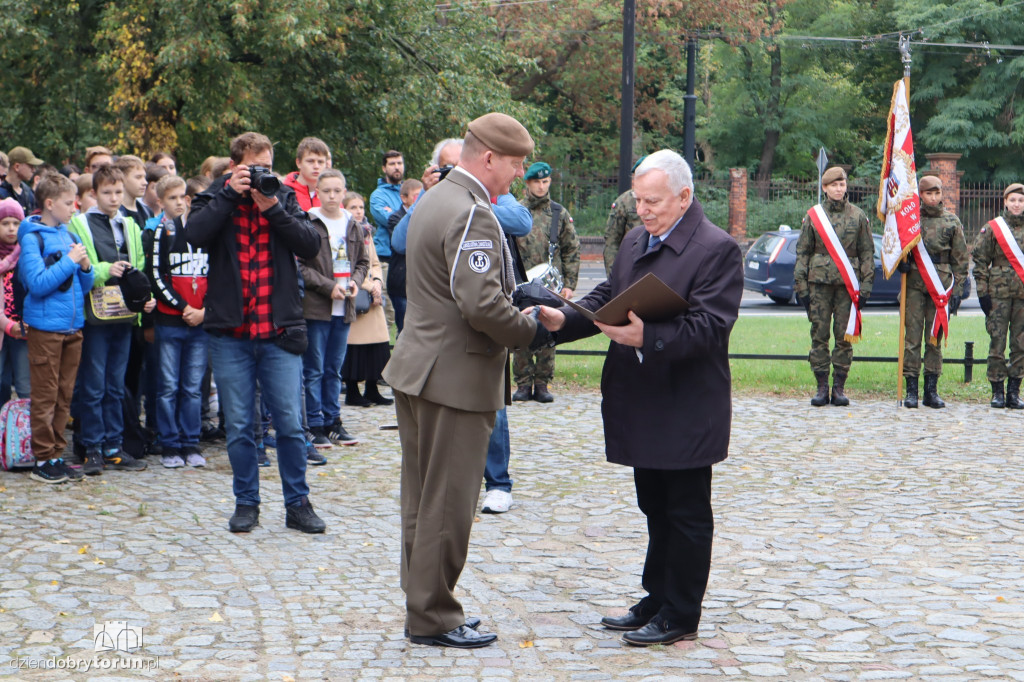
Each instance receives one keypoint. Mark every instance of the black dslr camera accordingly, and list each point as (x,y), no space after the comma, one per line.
(443,171)
(263,180)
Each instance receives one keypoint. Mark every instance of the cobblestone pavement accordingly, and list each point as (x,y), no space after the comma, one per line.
(891,552)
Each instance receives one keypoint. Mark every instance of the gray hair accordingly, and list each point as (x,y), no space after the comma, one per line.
(435,158)
(675,168)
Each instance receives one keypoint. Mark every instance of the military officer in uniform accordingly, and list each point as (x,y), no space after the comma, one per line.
(621,219)
(449,371)
(820,287)
(943,239)
(1001,296)
(534,371)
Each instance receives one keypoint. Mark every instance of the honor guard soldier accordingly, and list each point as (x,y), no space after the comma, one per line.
(621,219)
(833,276)
(552,240)
(930,289)
(997,269)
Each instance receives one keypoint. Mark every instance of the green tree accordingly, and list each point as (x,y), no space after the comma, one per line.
(967,100)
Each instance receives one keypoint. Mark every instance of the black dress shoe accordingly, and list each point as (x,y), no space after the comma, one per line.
(302,517)
(658,631)
(471,622)
(462,637)
(631,621)
(245,518)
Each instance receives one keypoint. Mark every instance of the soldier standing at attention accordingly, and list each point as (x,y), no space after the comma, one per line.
(621,220)
(943,238)
(833,276)
(1001,295)
(552,228)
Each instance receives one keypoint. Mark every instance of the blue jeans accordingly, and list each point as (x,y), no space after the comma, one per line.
(99,389)
(237,364)
(182,361)
(399,305)
(498,453)
(14,368)
(321,369)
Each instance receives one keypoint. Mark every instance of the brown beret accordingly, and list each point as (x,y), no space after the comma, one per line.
(502,134)
(929,182)
(832,174)
(1015,187)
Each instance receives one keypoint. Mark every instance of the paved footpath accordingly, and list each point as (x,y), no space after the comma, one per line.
(860,543)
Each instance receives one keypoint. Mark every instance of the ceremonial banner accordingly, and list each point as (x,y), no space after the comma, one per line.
(899,205)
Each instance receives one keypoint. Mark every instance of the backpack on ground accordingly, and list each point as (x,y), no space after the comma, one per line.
(16,435)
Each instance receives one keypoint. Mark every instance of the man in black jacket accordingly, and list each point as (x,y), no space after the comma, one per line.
(667,390)
(254,318)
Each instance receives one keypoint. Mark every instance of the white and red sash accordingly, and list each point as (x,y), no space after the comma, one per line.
(1009,245)
(835,249)
(939,294)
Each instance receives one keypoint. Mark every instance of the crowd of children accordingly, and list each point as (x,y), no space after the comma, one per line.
(104,302)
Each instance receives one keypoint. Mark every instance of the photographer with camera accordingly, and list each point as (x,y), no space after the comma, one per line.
(252,228)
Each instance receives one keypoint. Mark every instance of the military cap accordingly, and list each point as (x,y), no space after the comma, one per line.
(502,134)
(832,174)
(929,182)
(637,163)
(24,155)
(537,171)
(1015,187)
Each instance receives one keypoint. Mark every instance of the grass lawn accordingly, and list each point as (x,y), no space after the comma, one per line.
(790,335)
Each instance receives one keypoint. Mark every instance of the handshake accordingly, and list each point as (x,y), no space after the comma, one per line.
(535,295)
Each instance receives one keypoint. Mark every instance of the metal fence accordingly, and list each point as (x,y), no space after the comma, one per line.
(979,203)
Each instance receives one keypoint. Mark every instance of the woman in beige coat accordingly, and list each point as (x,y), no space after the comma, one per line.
(368,338)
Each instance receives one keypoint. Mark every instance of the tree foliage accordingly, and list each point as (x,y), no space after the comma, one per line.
(369,75)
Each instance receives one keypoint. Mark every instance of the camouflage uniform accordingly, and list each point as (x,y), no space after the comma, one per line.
(816,276)
(996,278)
(943,238)
(621,219)
(533,248)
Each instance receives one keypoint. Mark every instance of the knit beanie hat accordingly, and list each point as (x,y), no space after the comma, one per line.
(10,208)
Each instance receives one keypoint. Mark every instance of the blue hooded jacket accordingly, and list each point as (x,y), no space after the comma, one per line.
(46,306)
(384,201)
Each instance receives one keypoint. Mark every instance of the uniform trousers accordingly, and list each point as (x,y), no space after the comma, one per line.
(443,457)
(830,307)
(1007,316)
(680,528)
(920,315)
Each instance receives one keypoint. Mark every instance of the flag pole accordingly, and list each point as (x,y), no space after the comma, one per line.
(905,56)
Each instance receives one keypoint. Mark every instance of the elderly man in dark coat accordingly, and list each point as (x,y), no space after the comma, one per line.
(666,384)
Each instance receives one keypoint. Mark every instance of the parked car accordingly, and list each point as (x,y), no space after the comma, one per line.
(768,268)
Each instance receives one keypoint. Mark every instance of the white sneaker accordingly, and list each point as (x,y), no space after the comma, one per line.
(194,459)
(497,502)
(172,461)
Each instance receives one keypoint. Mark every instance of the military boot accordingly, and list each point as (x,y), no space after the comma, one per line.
(911,399)
(524,392)
(997,395)
(541,393)
(839,398)
(822,396)
(1013,400)
(931,392)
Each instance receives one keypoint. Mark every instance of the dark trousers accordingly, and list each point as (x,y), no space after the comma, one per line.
(680,526)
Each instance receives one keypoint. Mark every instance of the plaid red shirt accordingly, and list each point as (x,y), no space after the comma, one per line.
(257,271)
